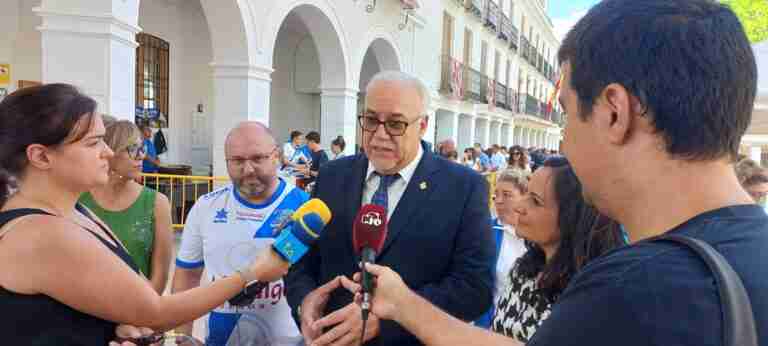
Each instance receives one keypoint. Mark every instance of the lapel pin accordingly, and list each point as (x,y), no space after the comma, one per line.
(423,185)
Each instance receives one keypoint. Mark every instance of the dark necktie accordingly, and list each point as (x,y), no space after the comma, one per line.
(381,196)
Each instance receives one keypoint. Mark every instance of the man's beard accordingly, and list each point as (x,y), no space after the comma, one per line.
(255,188)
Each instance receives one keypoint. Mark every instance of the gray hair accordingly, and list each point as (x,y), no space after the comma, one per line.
(407,79)
(517,177)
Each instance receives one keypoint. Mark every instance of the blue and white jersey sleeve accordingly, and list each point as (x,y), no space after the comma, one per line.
(190,254)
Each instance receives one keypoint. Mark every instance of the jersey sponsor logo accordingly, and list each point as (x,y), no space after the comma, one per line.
(269,296)
(221,216)
(250,216)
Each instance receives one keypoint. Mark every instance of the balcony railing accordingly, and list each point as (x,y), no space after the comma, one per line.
(557,117)
(475,7)
(501,95)
(473,84)
(525,47)
(513,100)
(513,37)
(452,77)
(484,89)
(506,28)
(491,15)
(531,106)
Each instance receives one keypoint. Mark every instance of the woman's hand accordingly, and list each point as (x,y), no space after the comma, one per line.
(125,331)
(389,293)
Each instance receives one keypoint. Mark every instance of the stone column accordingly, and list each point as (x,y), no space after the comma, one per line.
(91,44)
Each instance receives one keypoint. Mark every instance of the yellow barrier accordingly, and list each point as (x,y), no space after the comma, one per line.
(491,178)
(182,191)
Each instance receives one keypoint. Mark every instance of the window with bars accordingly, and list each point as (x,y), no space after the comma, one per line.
(152,80)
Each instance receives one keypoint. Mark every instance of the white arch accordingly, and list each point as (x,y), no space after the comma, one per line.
(232,36)
(331,41)
(383,43)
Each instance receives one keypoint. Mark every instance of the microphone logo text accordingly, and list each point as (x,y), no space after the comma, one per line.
(372,219)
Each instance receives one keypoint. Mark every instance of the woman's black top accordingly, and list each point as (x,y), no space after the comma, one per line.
(40,320)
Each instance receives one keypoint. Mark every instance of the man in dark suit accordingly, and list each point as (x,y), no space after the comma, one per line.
(439,237)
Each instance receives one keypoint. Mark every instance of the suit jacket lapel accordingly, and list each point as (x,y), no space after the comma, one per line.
(414,197)
(354,196)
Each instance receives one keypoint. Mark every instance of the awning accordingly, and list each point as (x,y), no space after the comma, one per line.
(410,4)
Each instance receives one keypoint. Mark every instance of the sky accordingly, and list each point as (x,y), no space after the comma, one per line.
(565,13)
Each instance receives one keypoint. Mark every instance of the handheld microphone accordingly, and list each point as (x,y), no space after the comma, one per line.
(296,237)
(368,234)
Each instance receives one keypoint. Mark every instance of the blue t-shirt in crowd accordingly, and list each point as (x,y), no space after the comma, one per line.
(485,161)
(657,292)
(149,151)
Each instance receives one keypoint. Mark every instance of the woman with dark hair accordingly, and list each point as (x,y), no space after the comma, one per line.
(518,160)
(562,233)
(65,278)
(337,148)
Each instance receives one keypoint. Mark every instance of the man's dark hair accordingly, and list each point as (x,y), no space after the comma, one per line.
(313,137)
(688,62)
(295,134)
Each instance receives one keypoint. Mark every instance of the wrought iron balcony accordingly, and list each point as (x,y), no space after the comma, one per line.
(525,47)
(484,88)
(557,117)
(506,28)
(476,7)
(501,95)
(451,76)
(473,84)
(543,108)
(513,100)
(491,15)
(514,38)
(531,106)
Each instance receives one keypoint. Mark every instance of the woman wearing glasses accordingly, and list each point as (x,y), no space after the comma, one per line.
(139,216)
(518,160)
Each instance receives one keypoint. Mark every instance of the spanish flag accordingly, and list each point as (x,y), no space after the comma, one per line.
(553,96)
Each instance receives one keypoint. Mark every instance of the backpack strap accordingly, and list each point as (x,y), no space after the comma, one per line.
(738,320)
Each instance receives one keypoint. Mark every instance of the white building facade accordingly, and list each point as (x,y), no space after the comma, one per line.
(206,65)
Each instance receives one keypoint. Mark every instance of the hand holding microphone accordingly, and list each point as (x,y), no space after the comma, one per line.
(368,234)
(392,294)
(295,238)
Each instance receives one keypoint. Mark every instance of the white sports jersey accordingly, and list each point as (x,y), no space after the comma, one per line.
(224,232)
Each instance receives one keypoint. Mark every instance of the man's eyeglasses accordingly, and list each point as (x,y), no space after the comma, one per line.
(135,151)
(369,122)
(255,160)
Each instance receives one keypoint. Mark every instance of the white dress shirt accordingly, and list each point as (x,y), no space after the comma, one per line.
(396,190)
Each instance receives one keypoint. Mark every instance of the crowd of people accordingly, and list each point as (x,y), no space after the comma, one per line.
(578,251)
(495,158)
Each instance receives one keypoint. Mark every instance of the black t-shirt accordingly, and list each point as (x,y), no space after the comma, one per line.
(318,159)
(661,293)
